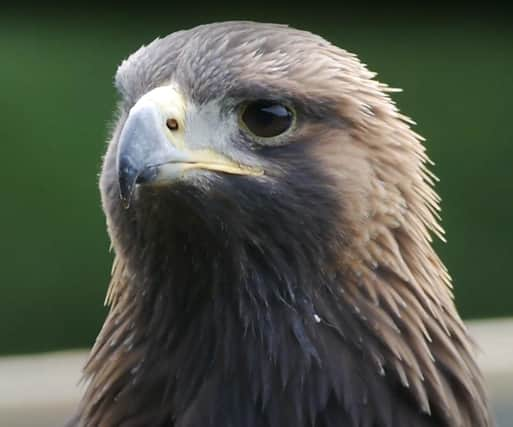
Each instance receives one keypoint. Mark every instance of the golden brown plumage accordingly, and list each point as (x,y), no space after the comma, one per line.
(308,294)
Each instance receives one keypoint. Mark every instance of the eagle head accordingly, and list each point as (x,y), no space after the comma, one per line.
(271,211)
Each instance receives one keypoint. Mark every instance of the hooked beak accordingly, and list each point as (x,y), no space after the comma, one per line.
(149,152)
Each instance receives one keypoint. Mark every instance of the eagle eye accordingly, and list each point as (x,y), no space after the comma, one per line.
(266,119)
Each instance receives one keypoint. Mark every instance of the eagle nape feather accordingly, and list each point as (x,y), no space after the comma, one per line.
(271,214)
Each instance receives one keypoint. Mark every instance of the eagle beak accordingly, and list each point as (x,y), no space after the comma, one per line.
(150,151)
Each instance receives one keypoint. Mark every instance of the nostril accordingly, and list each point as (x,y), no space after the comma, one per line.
(172,124)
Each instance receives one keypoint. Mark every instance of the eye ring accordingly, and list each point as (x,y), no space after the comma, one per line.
(267,120)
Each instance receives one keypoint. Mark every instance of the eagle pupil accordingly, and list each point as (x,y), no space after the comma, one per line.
(267,119)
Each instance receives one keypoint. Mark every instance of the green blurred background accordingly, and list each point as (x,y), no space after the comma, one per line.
(57,96)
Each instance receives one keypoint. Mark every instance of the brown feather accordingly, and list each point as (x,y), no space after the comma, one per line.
(389,326)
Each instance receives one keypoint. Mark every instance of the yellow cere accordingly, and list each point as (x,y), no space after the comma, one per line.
(171,104)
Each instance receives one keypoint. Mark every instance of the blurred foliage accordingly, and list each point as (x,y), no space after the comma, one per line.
(56,86)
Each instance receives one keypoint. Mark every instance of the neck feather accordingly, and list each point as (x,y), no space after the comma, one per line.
(284,330)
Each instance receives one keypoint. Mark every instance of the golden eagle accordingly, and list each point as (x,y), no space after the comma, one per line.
(270,210)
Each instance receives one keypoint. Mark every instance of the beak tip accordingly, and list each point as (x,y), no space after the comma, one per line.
(126,182)
(129,178)
(125,195)
(125,200)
